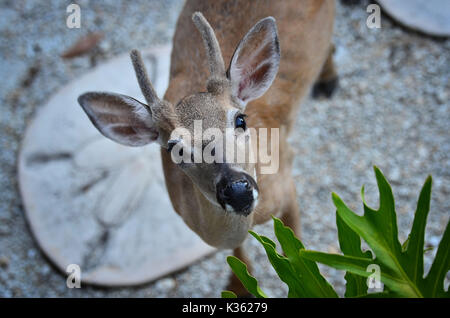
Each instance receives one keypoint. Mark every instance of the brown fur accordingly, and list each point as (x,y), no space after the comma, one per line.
(305,30)
(201,88)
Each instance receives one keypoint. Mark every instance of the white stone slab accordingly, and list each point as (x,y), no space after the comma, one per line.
(428,16)
(95,203)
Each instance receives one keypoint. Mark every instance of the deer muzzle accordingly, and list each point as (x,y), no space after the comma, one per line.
(237,192)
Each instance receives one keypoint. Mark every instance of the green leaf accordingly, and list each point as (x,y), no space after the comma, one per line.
(228,294)
(401,268)
(282,266)
(415,242)
(356,265)
(314,284)
(382,294)
(350,245)
(434,282)
(240,270)
(405,245)
(379,229)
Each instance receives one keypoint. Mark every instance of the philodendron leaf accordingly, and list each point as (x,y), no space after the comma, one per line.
(414,244)
(314,284)
(350,244)
(228,294)
(300,275)
(382,294)
(241,272)
(283,267)
(434,282)
(401,269)
(357,265)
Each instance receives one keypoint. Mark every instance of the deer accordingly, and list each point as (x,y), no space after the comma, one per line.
(284,54)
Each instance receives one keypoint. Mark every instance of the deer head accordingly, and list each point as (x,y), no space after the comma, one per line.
(227,184)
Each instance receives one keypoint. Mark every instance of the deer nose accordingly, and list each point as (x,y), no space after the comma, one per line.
(237,196)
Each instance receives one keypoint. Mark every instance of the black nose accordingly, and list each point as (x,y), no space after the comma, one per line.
(238,194)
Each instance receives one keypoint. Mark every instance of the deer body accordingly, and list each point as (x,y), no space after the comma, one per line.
(305,30)
(221,201)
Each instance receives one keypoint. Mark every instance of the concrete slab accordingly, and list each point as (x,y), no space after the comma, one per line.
(97,204)
(430,17)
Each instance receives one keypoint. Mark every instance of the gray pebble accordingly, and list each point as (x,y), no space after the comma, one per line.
(391,110)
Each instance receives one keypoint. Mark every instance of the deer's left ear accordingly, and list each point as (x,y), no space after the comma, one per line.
(255,62)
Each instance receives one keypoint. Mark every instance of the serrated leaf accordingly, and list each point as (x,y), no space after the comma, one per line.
(356,265)
(314,284)
(350,245)
(382,294)
(228,294)
(405,245)
(282,266)
(378,228)
(240,270)
(401,268)
(356,285)
(415,242)
(434,282)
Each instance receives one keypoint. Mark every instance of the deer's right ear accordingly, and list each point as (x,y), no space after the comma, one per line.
(120,118)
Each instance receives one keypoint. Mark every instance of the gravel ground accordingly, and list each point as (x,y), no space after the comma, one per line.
(391,110)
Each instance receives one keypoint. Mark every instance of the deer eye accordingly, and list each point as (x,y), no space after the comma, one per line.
(170,145)
(180,150)
(240,122)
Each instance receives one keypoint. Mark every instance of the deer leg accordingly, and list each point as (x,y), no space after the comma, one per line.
(290,217)
(291,212)
(234,283)
(327,82)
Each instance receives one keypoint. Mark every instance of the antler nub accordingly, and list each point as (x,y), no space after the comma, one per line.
(144,82)
(215,59)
